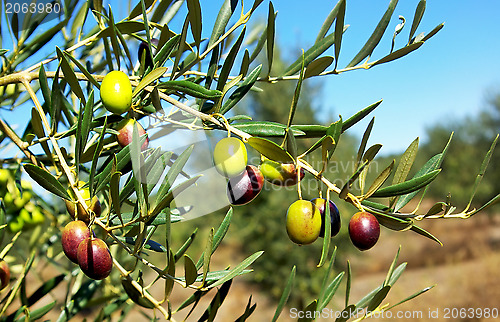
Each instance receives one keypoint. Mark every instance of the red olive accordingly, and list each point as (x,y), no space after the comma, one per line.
(364,230)
(94,258)
(245,187)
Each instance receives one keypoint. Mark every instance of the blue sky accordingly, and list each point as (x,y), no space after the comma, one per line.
(448,78)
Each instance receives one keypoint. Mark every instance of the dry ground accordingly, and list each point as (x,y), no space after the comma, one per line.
(465,271)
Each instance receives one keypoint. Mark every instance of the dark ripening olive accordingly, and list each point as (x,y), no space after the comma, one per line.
(4,274)
(72,235)
(245,187)
(364,230)
(94,258)
(335,222)
(144,50)
(303,222)
(125,133)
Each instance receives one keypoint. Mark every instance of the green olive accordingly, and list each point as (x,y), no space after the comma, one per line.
(116,92)
(303,222)
(230,157)
(76,210)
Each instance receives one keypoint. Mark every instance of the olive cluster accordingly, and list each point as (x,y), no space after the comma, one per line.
(305,220)
(82,248)
(22,213)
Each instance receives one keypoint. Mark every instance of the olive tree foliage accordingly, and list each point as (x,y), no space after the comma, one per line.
(191,84)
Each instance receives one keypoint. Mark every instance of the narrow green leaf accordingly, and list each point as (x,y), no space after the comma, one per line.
(398,53)
(266,129)
(405,165)
(425,233)
(229,62)
(392,267)
(271,20)
(79,300)
(225,13)
(482,170)
(318,66)
(326,238)
(38,313)
(311,54)
(286,293)
(348,284)
(431,165)
(182,250)
(160,219)
(95,159)
(379,181)
(397,273)
(180,49)
(492,201)
(149,244)
(339,30)
(376,36)
(102,178)
(190,88)
(218,299)
(238,269)
(260,44)
(245,63)
(69,76)
(207,254)
(166,50)
(419,13)
(407,186)
(216,275)
(44,86)
(330,291)
(161,9)
(309,312)
(296,95)
(136,296)
(173,173)
(242,90)
(46,180)
(393,223)
(326,276)
(433,32)
(38,129)
(189,270)
(82,69)
(167,199)
(411,297)
(125,27)
(346,313)
(291,143)
(359,116)
(378,298)
(113,37)
(194,14)
(248,311)
(328,22)
(219,234)
(169,283)
(270,150)
(114,192)
(138,9)
(149,78)
(364,140)
(43,290)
